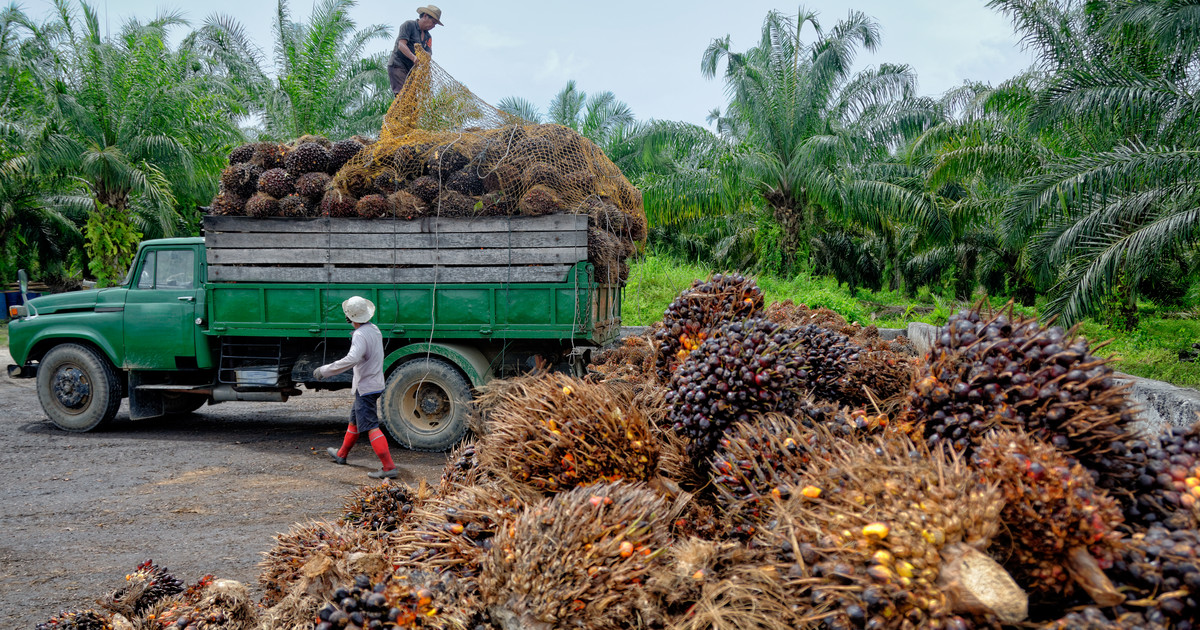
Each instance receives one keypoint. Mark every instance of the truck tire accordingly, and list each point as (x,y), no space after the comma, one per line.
(425,405)
(78,387)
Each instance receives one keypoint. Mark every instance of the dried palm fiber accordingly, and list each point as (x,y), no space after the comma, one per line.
(295,206)
(315,139)
(380,507)
(495,393)
(268,155)
(745,368)
(373,207)
(452,532)
(241,179)
(277,183)
(77,620)
(394,601)
(988,372)
(313,557)
(1060,530)
(338,204)
(210,604)
(699,310)
(886,533)
(262,205)
(556,432)
(147,584)
(722,586)
(313,185)
(879,377)
(228,204)
(1168,478)
(1159,572)
(405,205)
(579,559)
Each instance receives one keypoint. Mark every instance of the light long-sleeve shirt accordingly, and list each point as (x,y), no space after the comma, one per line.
(365,356)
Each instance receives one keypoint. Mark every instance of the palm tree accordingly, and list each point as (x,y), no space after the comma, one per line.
(136,127)
(320,80)
(598,117)
(1124,195)
(811,129)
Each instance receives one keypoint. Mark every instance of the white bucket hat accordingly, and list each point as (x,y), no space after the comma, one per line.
(360,310)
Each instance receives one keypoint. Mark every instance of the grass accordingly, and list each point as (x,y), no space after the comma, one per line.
(1150,351)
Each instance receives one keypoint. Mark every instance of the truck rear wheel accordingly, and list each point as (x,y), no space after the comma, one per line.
(425,405)
(78,387)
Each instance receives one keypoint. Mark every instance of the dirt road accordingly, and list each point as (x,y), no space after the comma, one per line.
(200,494)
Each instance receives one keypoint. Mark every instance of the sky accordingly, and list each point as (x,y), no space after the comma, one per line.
(647,53)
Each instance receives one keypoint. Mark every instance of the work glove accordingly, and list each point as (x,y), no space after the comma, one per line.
(318,374)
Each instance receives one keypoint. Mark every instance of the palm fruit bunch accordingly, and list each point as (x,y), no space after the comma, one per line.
(633,360)
(558,432)
(1168,482)
(745,368)
(394,602)
(227,204)
(307,157)
(373,206)
(761,460)
(1159,570)
(462,468)
(276,183)
(699,310)
(443,161)
(1059,530)
(380,507)
(825,358)
(339,204)
(451,203)
(312,185)
(240,179)
(885,534)
(451,533)
(147,584)
(1092,618)
(262,205)
(241,154)
(986,373)
(77,620)
(268,155)
(579,559)
(879,376)
(318,542)
(341,152)
(210,604)
(295,206)
(788,313)
(425,188)
(388,182)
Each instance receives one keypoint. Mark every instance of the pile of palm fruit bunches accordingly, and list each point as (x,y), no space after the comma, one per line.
(748,466)
(520,170)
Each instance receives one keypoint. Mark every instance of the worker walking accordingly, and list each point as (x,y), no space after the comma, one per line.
(366,357)
(413,33)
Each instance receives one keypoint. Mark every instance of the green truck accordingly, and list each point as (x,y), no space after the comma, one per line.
(246,313)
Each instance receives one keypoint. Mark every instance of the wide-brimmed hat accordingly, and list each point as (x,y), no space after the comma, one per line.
(359,310)
(432,12)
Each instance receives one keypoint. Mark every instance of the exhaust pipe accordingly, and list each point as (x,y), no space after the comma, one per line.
(226,393)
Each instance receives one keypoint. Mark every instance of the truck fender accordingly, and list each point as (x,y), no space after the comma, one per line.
(470,360)
(41,343)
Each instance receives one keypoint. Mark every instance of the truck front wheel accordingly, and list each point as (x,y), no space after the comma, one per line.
(78,387)
(425,405)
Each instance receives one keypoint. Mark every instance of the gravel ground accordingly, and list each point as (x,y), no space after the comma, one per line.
(199,494)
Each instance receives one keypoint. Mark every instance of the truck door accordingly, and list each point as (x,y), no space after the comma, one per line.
(160,311)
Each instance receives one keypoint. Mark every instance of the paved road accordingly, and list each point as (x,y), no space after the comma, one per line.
(201,494)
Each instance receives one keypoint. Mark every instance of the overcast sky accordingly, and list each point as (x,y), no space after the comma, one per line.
(647,53)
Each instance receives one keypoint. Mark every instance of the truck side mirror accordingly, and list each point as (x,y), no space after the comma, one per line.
(24,280)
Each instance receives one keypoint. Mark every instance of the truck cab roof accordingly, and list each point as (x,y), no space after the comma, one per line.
(185,240)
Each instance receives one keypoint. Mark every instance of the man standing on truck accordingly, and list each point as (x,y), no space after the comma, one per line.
(366,357)
(413,33)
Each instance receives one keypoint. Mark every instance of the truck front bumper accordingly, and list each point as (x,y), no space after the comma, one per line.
(22,371)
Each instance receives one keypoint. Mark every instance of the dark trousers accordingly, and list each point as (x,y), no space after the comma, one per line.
(397,75)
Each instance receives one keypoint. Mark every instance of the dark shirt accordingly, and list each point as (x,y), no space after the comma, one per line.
(411,33)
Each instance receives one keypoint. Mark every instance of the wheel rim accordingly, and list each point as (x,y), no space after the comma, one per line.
(426,405)
(72,388)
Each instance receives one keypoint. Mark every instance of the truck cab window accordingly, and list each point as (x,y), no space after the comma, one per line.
(175,269)
(146,277)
